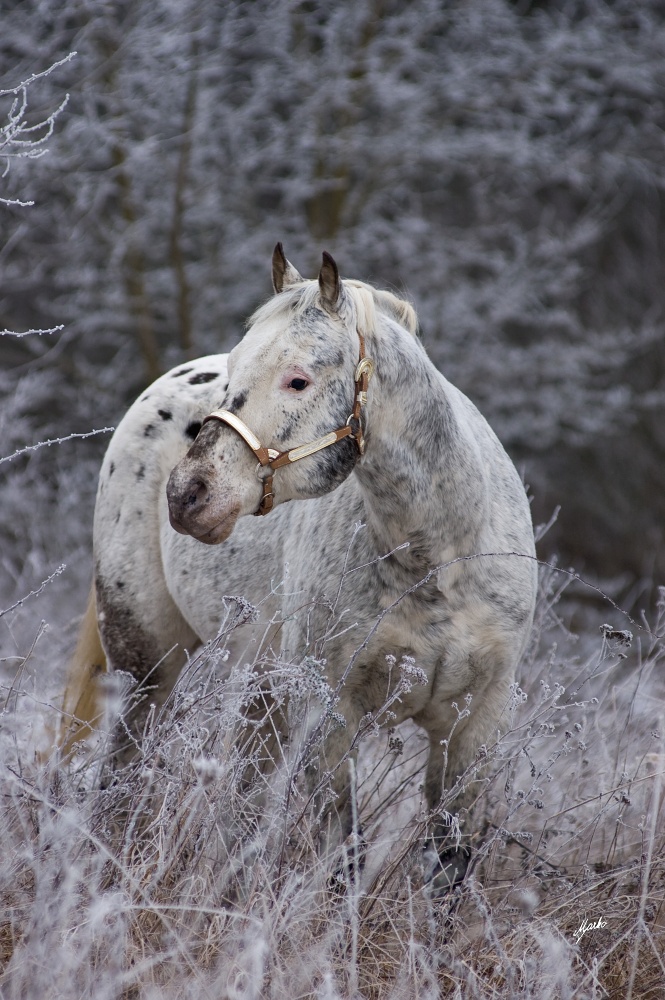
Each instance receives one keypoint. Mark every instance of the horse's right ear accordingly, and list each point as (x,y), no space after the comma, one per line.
(330,286)
(283,271)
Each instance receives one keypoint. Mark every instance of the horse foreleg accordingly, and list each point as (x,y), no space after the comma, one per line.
(451,859)
(453,764)
(449,768)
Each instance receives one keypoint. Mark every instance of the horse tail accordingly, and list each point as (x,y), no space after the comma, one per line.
(83,701)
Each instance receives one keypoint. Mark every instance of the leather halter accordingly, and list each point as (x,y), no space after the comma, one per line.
(273,460)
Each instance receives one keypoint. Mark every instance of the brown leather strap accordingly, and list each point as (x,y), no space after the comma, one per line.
(269,458)
(267,500)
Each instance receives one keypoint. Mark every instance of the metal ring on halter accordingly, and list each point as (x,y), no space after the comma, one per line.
(272,455)
(358,435)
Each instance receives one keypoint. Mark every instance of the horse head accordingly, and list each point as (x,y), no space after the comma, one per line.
(290,426)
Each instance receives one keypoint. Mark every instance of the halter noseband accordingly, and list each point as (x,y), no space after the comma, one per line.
(269,458)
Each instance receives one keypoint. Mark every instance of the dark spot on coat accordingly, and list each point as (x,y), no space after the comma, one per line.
(120,584)
(287,430)
(328,357)
(206,439)
(117,517)
(202,377)
(183,371)
(333,466)
(129,645)
(165,414)
(145,398)
(238,401)
(140,473)
(111,469)
(192,430)
(148,429)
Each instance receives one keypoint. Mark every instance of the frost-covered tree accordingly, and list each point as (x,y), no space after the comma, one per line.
(34,494)
(501,162)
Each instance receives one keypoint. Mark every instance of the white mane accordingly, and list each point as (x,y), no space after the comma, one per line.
(368,301)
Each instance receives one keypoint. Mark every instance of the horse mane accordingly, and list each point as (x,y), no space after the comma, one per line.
(368,302)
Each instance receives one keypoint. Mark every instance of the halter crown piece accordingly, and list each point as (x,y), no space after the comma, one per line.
(269,458)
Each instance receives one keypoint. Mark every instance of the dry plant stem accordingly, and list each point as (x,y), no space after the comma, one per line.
(353,881)
(14,686)
(116,863)
(601,795)
(640,674)
(646,871)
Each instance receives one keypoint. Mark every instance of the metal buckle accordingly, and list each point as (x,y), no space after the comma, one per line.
(261,509)
(366,366)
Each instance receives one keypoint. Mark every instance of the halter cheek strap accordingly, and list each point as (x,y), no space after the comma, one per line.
(273,460)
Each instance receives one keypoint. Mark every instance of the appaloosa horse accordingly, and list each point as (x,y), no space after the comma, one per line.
(331,402)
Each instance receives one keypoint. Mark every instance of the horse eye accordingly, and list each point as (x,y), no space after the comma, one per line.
(298,384)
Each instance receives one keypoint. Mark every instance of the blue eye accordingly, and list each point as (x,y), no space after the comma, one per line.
(298,384)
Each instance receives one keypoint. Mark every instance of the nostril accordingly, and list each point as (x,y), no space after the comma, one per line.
(196,495)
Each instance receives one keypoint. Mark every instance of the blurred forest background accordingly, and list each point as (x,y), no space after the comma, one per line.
(502,163)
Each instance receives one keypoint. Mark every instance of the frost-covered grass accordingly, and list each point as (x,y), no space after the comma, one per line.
(191,874)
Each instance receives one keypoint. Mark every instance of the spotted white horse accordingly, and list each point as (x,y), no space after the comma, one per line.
(329,398)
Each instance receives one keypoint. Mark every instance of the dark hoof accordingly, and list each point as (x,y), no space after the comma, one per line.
(448,871)
(344,876)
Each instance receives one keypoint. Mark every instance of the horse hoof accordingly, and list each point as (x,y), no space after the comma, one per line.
(351,867)
(448,871)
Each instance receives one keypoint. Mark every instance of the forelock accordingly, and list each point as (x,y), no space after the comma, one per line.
(369,303)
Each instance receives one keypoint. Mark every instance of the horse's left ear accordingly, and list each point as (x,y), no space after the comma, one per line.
(283,271)
(329,284)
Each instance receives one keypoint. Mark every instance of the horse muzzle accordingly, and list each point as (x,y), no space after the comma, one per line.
(195,510)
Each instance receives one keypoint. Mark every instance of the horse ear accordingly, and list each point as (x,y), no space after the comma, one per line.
(329,284)
(283,271)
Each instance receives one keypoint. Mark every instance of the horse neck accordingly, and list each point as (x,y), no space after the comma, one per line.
(421,475)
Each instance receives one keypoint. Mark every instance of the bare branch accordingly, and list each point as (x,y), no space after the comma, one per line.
(35,593)
(28,333)
(44,444)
